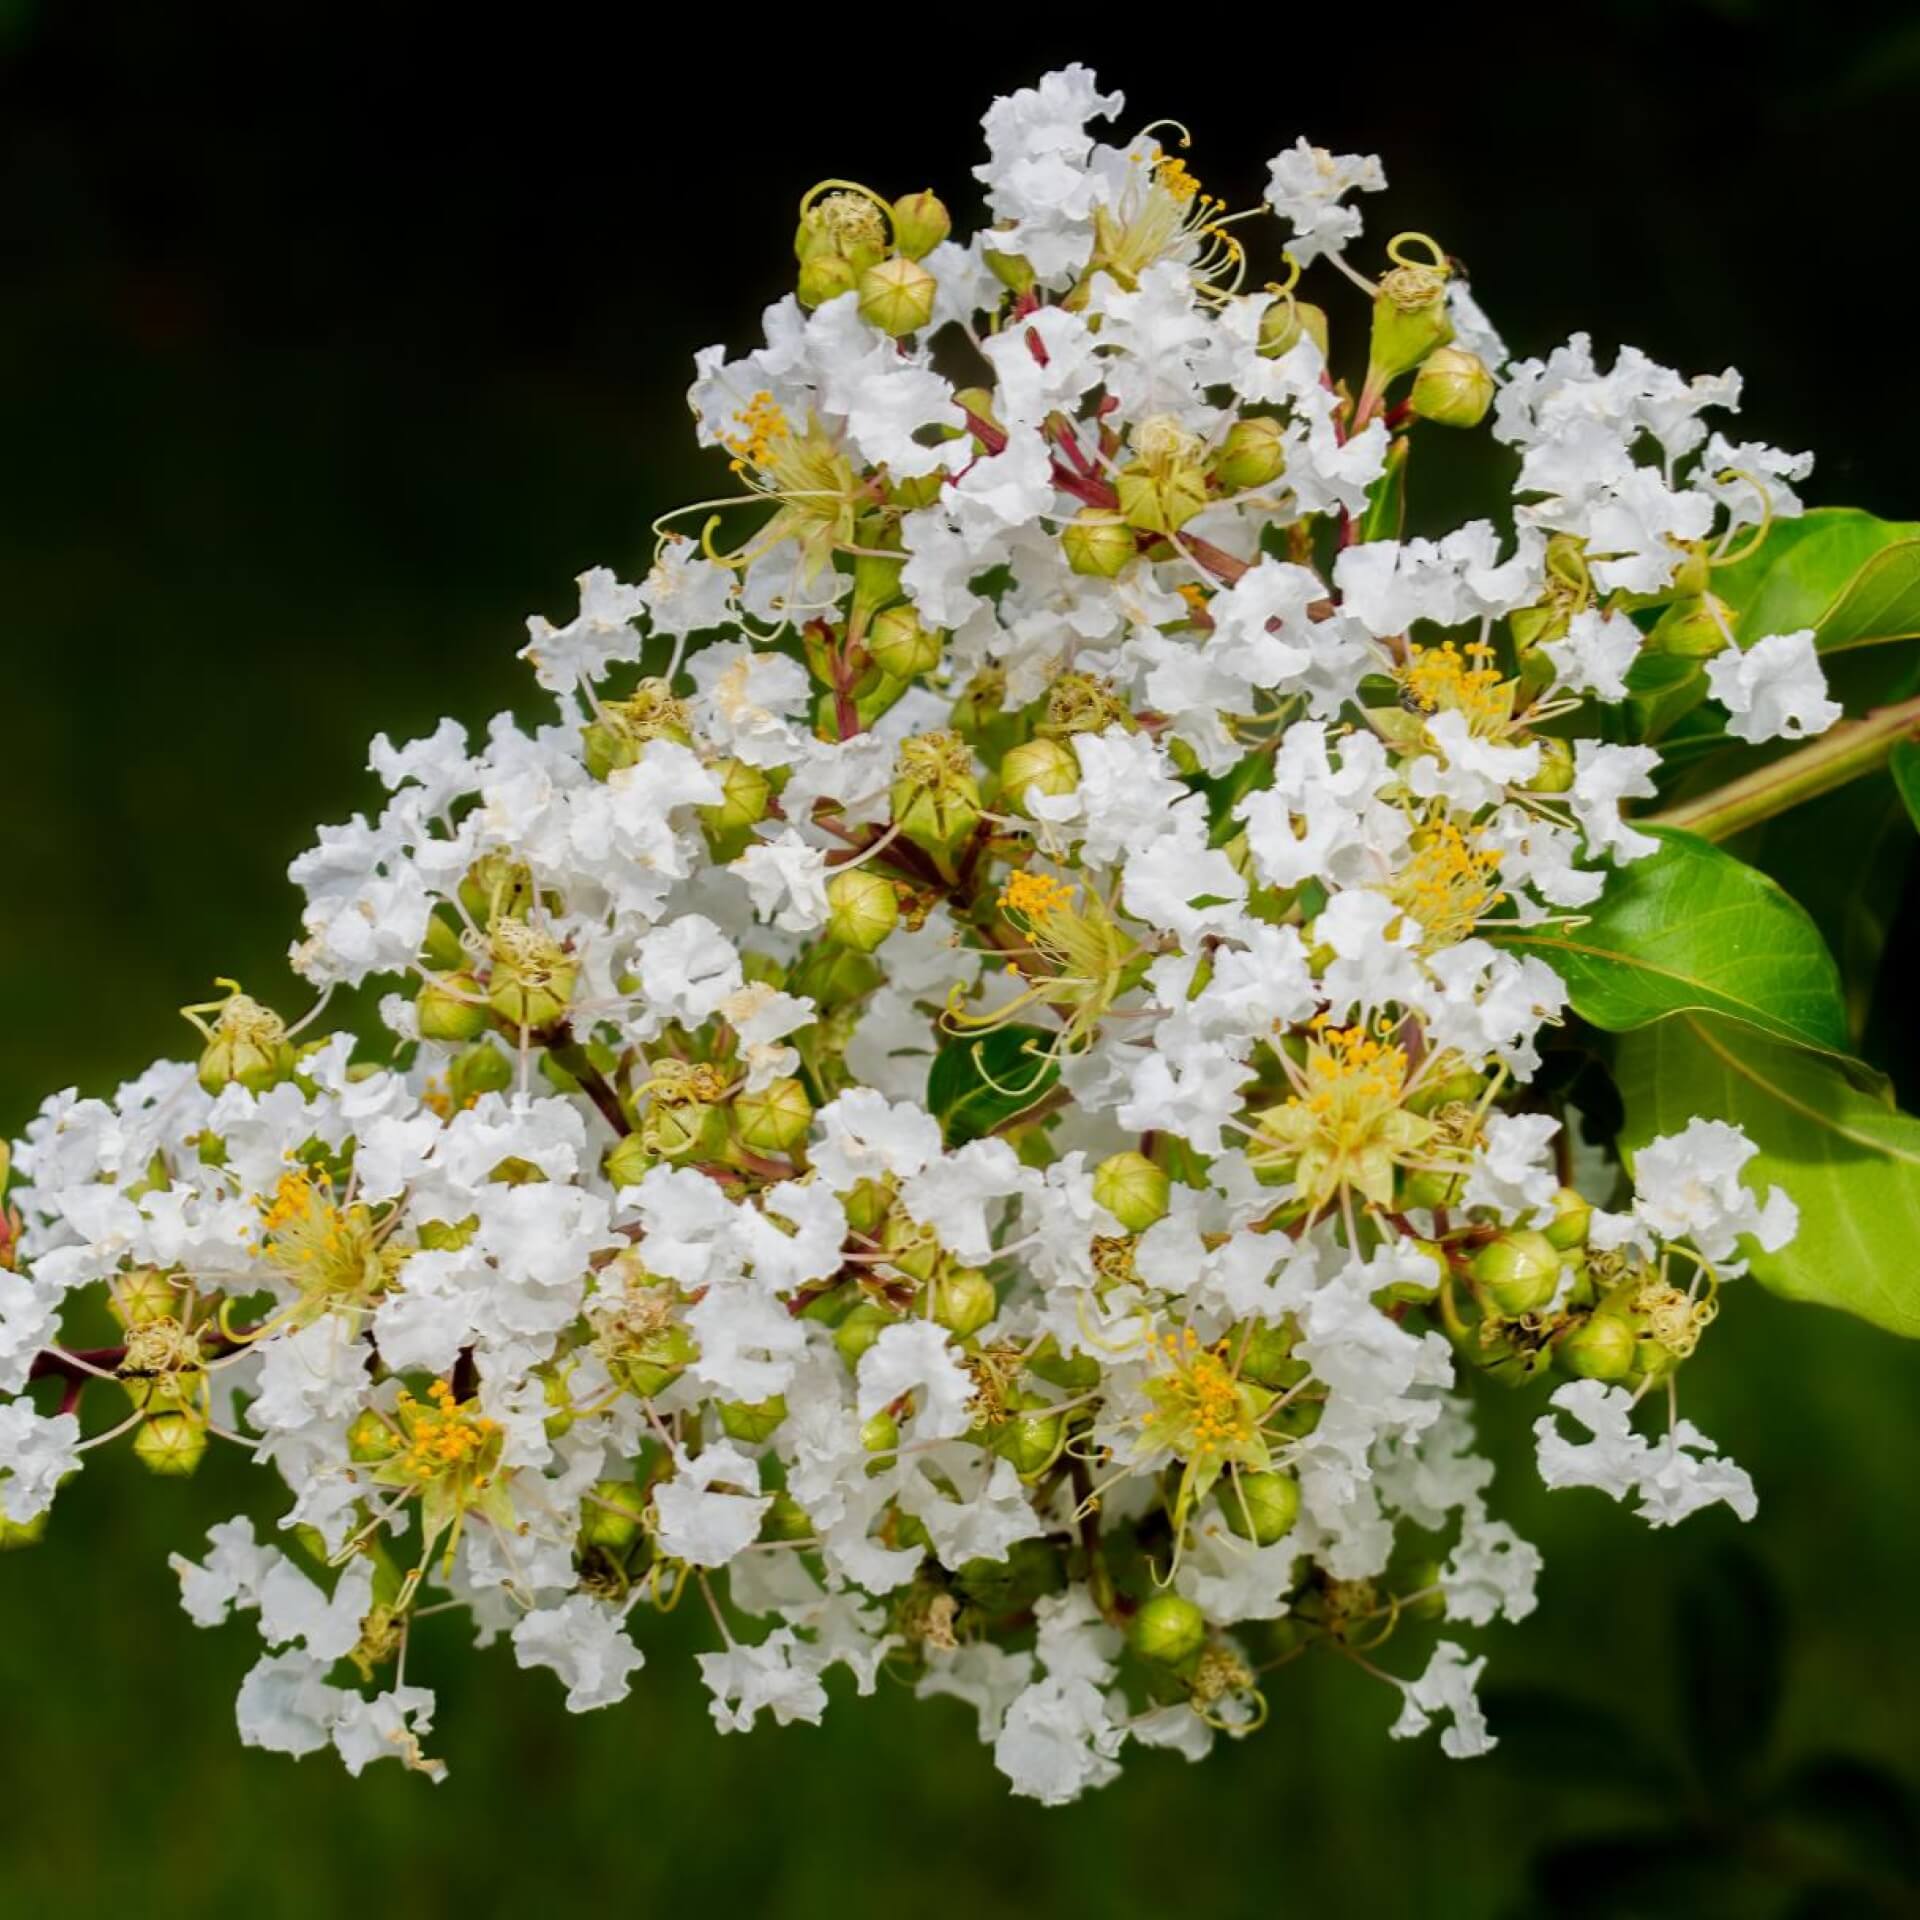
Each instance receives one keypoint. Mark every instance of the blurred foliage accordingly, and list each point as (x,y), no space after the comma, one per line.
(323,365)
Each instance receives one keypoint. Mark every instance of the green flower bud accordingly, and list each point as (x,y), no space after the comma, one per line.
(1031,1441)
(860,1329)
(1572,1213)
(480,1068)
(1041,762)
(1601,1347)
(1099,543)
(881,1434)
(1132,1189)
(964,1301)
(920,222)
(901,646)
(628,1160)
(371,1438)
(1261,1507)
(142,1295)
(1285,321)
(751,1422)
(1251,455)
(897,296)
(774,1120)
(835,976)
(1696,627)
(1428,1188)
(1409,321)
(171,1444)
(935,798)
(825,277)
(862,908)
(452,1006)
(1168,1629)
(866,1205)
(744,793)
(1453,388)
(1556,764)
(786,1519)
(611,1515)
(441,951)
(1520,1270)
(1160,501)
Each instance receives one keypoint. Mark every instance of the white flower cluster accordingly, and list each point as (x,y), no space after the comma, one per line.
(976,1112)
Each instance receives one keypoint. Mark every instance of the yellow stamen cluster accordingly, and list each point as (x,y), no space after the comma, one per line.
(1449,882)
(1172,174)
(331,1253)
(1033,896)
(1455,679)
(761,431)
(1198,1389)
(442,1437)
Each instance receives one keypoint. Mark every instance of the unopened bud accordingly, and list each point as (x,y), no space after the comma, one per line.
(171,1444)
(862,908)
(141,1296)
(1556,765)
(920,222)
(751,1422)
(1046,765)
(881,1434)
(1012,270)
(1266,1355)
(1520,1270)
(901,646)
(1168,1629)
(860,1329)
(964,1301)
(1601,1347)
(1252,454)
(1286,322)
(786,1519)
(629,1160)
(451,1006)
(1453,388)
(497,887)
(897,296)
(1261,1507)
(1030,1441)
(1572,1214)
(826,276)
(480,1068)
(1696,627)
(1132,1189)
(611,1515)
(774,1120)
(1098,542)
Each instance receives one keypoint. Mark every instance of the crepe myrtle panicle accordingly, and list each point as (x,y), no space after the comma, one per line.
(969,1092)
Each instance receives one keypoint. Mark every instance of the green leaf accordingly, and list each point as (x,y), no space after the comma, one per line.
(1692,929)
(1853,579)
(978,1082)
(1847,1156)
(1905,768)
(1664,687)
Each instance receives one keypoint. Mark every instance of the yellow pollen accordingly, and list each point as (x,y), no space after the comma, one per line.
(1458,679)
(1034,895)
(762,427)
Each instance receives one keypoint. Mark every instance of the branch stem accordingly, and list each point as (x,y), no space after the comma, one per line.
(1853,748)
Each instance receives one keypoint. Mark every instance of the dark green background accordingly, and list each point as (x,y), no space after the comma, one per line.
(326,358)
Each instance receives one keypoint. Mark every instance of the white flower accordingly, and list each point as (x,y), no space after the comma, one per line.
(1594,654)
(1447,1687)
(1687,1187)
(1603,776)
(701,1525)
(1056,1741)
(1673,1477)
(1305,187)
(36,1453)
(586,1644)
(916,1357)
(601,633)
(777,1677)
(1774,689)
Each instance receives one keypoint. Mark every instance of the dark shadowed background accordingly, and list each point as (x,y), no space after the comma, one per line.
(326,355)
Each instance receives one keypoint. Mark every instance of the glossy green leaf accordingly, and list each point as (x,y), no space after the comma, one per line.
(1691,928)
(978,1082)
(1849,1159)
(1854,579)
